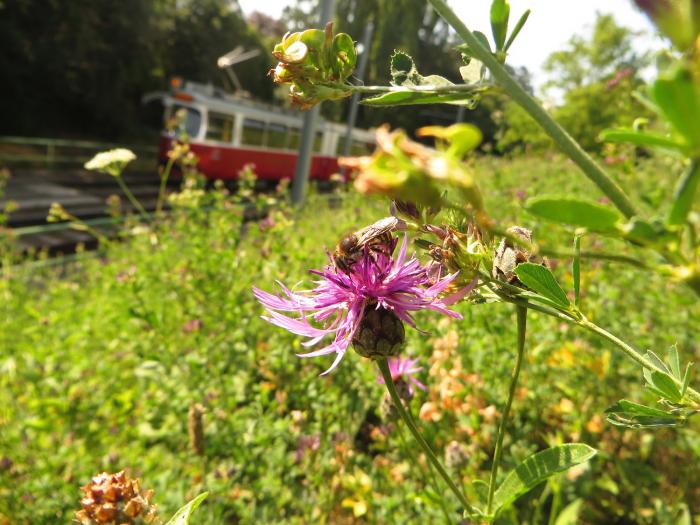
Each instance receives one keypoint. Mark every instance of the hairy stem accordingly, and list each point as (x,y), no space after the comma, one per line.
(560,136)
(389,382)
(521,312)
(629,350)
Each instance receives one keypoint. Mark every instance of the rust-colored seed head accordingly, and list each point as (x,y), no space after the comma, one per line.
(115,499)
(195,425)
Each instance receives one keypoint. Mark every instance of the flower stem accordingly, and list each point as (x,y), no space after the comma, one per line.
(560,136)
(521,312)
(389,382)
(133,200)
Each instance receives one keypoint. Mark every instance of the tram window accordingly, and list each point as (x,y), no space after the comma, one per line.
(184,120)
(276,135)
(294,138)
(253,132)
(220,127)
(358,148)
(318,141)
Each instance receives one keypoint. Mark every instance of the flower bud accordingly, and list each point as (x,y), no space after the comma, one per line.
(509,255)
(380,333)
(456,455)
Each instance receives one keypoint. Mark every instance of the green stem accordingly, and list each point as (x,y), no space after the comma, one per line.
(521,312)
(133,200)
(599,256)
(631,352)
(389,382)
(163,181)
(560,136)
(432,481)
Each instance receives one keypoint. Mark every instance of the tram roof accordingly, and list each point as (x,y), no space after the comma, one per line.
(216,99)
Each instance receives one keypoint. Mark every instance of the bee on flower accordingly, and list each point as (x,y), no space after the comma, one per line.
(365,304)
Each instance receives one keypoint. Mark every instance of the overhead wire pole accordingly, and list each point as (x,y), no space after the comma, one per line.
(301,172)
(354,103)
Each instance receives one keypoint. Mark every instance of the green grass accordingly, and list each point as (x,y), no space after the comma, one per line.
(100,361)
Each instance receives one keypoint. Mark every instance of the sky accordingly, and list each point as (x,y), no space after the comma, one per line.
(551,24)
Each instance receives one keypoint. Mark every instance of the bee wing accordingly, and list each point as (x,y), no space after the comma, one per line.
(382,226)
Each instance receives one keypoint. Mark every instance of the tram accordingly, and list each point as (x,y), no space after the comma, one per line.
(227,132)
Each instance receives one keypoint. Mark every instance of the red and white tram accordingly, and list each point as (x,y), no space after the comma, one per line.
(227,132)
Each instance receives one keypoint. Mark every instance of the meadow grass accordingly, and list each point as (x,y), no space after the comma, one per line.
(102,359)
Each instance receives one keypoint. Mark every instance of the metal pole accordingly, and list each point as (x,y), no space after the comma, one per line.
(301,172)
(355,102)
(460,114)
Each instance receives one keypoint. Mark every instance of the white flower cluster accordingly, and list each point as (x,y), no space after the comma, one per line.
(111,162)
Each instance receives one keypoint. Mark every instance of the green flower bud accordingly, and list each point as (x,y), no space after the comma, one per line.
(380,334)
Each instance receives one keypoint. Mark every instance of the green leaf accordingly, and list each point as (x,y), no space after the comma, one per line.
(406,98)
(516,30)
(182,516)
(658,362)
(632,408)
(405,75)
(642,138)
(674,362)
(640,231)
(576,212)
(472,73)
(675,95)
(570,514)
(665,384)
(462,137)
(402,69)
(538,468)
(684,194)
(500,11)
(468,52)
(542,280)
(628,414)
(686,378)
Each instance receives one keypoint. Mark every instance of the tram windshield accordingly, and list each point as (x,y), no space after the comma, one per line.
(183,119)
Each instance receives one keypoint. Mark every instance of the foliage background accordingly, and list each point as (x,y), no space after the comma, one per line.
(101,360)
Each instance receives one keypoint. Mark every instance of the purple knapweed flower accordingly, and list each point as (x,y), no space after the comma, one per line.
(340,300)
(404,369)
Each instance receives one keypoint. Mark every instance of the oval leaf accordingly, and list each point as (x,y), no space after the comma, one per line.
(182,516)
(500,10)
(576,212)
(684,194)
(676,96)
(542,280)
(538,468)
(642,138)
(408,97)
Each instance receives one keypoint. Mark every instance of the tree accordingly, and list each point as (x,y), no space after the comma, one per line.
(80,68)
(594,78)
